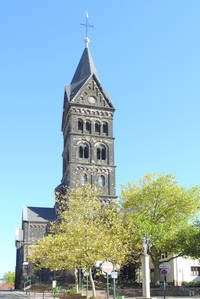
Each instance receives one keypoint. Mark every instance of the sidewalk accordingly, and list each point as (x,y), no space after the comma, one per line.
(99,293)
(37,295)
(102,294)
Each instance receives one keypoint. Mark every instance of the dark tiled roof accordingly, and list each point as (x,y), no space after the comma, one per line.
(85,69)
(37,214)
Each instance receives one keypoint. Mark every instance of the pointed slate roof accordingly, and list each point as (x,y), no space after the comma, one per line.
(38,214)
(85,69)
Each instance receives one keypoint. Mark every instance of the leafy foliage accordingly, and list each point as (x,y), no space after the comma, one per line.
(189,240)
(86,231)
(9,277)
(158,208)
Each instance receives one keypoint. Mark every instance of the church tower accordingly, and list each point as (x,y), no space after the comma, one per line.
(87,126)
(88,157)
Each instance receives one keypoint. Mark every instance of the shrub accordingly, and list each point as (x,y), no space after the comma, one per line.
(72,291)
(191,283)
(40,287)
(67,295)
(184,283)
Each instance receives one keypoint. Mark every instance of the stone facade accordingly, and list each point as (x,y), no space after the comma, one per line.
(88,156)
(34,227)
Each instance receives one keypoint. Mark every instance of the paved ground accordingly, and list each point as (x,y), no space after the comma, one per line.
(18,295)
(12,294)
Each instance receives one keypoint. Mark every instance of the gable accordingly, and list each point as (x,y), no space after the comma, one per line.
(92,94)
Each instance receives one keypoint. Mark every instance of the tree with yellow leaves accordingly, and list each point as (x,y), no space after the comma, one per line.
(86,231)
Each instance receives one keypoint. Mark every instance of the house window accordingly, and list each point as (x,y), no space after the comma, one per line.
(195,271)
(84,179)
(80,125)
(88,127)
(101,152)
(164,255)
(105,128)
(83,151)
(97,128)
(101,181)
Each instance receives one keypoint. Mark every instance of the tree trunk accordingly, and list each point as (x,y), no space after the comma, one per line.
(76,280)
(92,283)
(156,273)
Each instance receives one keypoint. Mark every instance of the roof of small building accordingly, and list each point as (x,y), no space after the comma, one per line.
(37,214)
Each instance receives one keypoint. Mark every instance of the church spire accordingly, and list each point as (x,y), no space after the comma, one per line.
(85,68)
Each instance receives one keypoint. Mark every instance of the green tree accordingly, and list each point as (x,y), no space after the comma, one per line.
(158,208)
(86,231)
(189,241)
(9,277)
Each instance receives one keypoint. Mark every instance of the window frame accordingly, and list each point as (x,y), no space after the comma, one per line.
(105,128)
(101,152)
(84,179)
(83,151)
(97,127)
(102,181)
(80,125)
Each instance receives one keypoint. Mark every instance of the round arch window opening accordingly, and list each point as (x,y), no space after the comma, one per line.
(84,179)
(101,181)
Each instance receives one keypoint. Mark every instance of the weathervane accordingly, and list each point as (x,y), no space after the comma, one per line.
(87,25)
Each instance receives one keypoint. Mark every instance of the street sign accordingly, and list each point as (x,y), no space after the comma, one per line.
(163,272)
(114,275)
(54,283)
(164,266)
(116,267)
(85,273)
(98,264)
(107,267)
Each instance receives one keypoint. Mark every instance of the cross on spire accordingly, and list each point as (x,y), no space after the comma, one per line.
(87,25)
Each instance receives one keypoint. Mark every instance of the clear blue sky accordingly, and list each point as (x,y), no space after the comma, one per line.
(147,55)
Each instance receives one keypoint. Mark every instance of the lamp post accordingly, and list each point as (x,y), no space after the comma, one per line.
(145,270)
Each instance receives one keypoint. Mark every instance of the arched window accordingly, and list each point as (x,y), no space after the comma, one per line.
(80,125)
(101,181)
(86,152)
(83,151)
(105,128)
(67,156)
(97,128)
(98,153)
(84,179)
(65,140)
(64,165)
(88,127)
(101,152)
